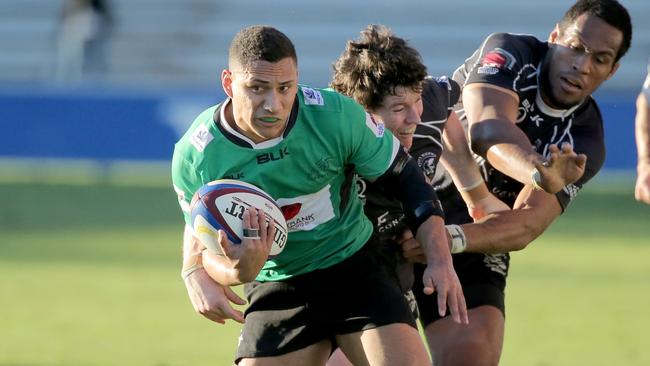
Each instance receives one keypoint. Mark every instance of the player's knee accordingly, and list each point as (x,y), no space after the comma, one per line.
(465,352)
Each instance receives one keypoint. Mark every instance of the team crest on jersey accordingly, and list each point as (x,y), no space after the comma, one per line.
(427,162)
(312,96)
(495,60)
(201,137)
(377,127)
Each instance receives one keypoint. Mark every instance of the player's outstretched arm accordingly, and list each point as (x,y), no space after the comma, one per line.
(642,133)
(207,297)
(506,231)
(491,113)
(460,164)
(439,275)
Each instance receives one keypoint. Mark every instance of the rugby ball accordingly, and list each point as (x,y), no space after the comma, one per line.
(220,205)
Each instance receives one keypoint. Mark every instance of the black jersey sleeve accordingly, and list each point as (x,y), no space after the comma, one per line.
(588,138)
(438,97)
(500,60)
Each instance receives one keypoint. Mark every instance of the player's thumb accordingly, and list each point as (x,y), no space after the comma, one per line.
(224,243)
(429,288)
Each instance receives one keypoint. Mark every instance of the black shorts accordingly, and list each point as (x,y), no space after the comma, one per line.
(483,276)
(360,293)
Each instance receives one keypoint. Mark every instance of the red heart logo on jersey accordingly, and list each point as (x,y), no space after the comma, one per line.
(290,211)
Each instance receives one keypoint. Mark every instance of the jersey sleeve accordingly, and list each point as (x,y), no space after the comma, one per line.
(185,181)
(498,61)
(589,141)
(372,147)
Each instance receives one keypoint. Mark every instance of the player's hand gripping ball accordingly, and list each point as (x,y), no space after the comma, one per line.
(220,205)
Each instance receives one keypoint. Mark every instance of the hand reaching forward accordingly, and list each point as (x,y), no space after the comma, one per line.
(563,167)
(211,299)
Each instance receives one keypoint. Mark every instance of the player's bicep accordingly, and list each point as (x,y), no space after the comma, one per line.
(483,102)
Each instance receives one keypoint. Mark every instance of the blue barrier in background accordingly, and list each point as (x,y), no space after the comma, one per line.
(144,125)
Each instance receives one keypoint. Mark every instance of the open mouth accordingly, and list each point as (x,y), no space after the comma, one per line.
(407,132)
(572,84)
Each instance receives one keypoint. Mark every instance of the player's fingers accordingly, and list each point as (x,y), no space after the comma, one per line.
(231,313)
(463,306)
(553,148)
(442,302)
(253,218)
(581,159)
(232,296)
(454,308)
(262,225)
(567,148)
(428,286)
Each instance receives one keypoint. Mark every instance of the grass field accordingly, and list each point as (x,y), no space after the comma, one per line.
(89,276)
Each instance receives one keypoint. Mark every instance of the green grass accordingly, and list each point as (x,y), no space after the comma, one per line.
(89,276)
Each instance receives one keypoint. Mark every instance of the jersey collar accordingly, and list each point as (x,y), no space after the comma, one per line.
(242,140)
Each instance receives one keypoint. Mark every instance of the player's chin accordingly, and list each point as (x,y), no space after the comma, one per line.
(406,140)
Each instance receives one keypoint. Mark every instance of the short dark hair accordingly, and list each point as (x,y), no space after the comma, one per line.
(611,11)
(260,43)
(375,65)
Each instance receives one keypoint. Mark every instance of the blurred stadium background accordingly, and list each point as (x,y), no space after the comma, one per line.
(89,228)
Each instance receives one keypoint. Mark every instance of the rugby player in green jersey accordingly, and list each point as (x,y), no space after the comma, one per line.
(332,284)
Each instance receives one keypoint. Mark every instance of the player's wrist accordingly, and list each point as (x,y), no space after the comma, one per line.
(458,238)
(536,179)
(191,264)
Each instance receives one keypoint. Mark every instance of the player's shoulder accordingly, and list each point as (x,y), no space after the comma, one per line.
(328,109)
(198,136)
(513,46)
(512,40)
(325,100)
(589,114)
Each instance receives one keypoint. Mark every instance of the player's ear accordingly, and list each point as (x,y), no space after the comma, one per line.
(614,68)
(226,82)
(555,34)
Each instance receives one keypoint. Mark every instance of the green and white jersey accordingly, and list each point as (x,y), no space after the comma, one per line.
(308,170)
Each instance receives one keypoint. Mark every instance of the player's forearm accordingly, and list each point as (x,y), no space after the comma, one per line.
(226,272)
(457,159)
(433,238)
(456,156)
(642,132)
(223,270)
(507,231)
(506,148)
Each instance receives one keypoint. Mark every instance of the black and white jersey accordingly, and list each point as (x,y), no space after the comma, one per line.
(513,62)
(439,95)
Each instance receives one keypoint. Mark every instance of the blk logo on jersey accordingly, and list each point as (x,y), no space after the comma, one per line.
(272,156)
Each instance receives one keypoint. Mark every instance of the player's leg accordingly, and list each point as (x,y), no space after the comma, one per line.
(476,344)
(483,278)
(279,329)
(315,354)
(393,344)
(375,324)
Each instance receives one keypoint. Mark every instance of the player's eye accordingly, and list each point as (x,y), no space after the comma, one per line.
(285,88)
(255,88)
